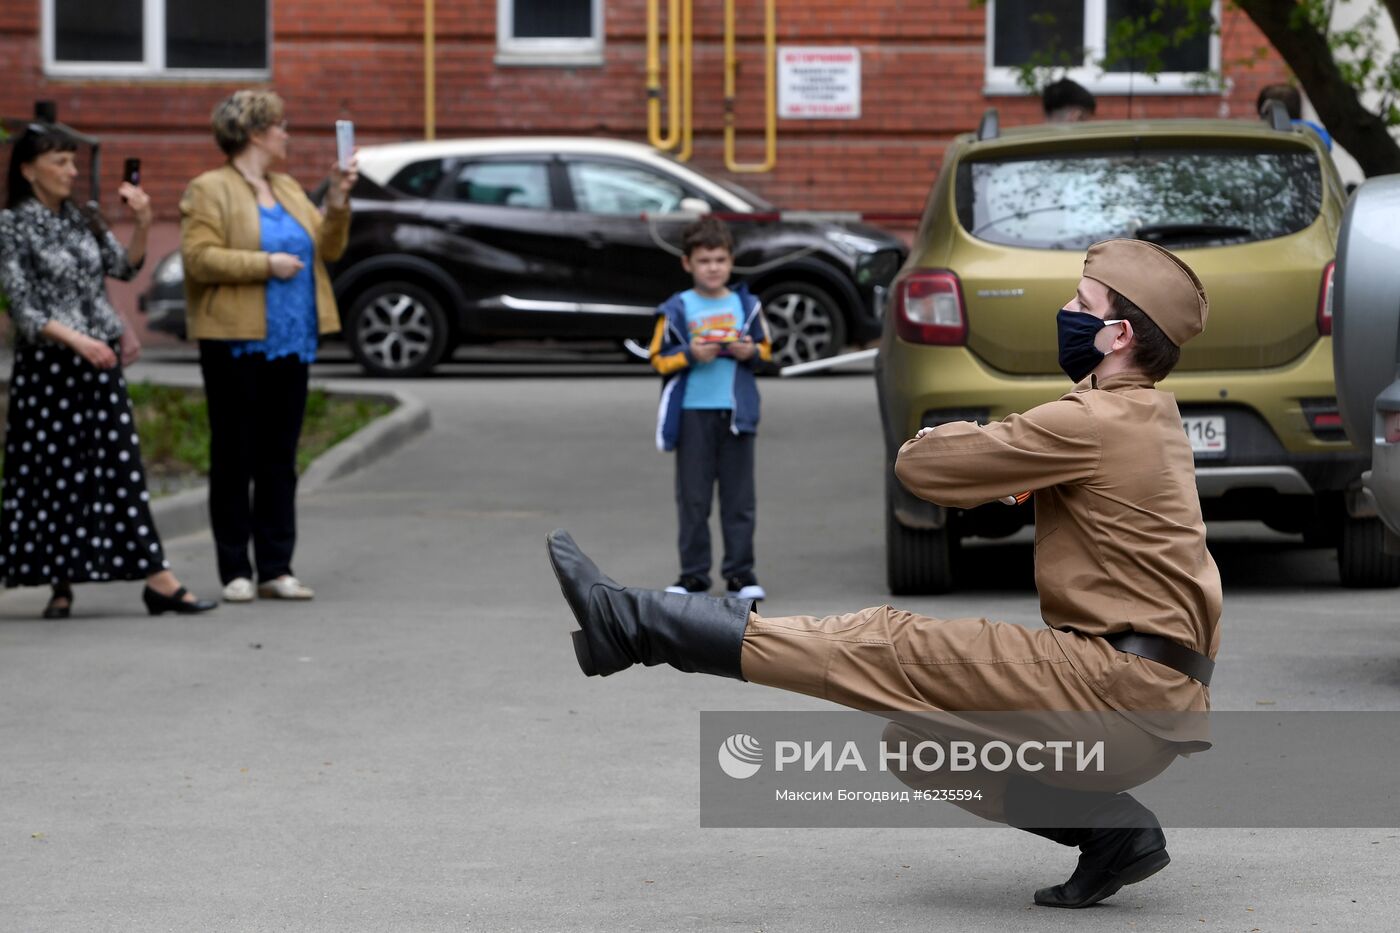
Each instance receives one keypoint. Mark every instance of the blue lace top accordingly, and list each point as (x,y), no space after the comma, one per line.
(291,303)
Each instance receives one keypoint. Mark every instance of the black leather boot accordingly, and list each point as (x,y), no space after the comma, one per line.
(1120,841)
(622,626)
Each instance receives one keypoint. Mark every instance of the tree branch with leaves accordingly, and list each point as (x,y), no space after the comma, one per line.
(1336,68)
(1340,69)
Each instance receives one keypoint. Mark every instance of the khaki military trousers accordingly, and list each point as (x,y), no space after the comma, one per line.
(884,659)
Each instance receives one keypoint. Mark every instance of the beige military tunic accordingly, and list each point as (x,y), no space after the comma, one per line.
(1120,545)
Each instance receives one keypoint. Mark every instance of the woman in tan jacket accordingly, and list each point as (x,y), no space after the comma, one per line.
(258,298)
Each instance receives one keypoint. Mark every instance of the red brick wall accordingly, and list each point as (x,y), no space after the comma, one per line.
(922,83)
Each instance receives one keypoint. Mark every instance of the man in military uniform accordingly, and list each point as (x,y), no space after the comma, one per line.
(1128,590)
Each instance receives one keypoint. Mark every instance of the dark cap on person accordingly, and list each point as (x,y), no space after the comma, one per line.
(1155,280)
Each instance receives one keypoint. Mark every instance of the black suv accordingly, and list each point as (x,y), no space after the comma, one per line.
(482,240)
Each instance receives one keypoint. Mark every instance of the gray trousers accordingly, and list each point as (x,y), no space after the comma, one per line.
(708,452)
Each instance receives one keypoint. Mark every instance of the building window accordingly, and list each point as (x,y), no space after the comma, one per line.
(1073,37)
(156,38)
(549,32)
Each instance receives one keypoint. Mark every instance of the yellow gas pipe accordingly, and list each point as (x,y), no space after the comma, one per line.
(687,79)
(672,136)
(770,129)
(429,75)
(680,67)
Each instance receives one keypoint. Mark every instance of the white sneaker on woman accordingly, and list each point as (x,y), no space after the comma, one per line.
(285,587)
(239,590)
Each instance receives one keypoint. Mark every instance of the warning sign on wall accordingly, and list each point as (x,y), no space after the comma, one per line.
(818,82)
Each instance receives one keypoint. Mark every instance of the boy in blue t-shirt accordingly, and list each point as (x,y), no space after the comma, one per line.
(707,341)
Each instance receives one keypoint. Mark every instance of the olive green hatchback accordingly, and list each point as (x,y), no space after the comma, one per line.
(969,331)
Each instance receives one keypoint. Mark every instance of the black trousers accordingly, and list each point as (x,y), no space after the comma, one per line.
(255,414)
(708,452)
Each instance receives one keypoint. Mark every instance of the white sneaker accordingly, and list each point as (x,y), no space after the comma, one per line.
(689,586)
(285,587)
(239,590)
(745,587)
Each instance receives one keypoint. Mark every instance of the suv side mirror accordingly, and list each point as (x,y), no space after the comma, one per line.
(693,206)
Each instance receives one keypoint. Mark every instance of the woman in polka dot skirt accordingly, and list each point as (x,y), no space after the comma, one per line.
(74,506)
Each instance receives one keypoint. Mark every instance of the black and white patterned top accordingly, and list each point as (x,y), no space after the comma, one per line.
(52,268)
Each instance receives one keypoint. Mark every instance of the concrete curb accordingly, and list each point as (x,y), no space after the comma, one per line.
(408,419)
(188,512)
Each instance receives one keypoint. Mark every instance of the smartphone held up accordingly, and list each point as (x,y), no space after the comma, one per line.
(344,143)
(131,173)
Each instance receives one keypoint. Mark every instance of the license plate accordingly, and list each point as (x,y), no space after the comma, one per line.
(1207,436)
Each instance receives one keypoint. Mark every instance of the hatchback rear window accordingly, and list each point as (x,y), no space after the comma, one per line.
(1170,196)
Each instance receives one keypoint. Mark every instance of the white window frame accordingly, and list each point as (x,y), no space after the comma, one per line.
(548,52)
(1002,80)
(153,63)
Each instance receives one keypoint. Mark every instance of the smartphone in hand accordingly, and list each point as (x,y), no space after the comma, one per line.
(344,142)
(131,172)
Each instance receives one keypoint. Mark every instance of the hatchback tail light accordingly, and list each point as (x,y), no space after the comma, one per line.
(1324,301)
(929,308)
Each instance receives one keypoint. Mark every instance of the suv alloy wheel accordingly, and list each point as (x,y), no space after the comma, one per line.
(397,329)
(805,321)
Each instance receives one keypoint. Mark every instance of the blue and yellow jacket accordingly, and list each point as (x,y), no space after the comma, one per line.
(671,357)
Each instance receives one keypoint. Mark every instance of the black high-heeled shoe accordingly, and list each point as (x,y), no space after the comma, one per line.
(60,591)
(157,602)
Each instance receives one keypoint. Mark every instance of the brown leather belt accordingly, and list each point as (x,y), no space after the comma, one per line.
(1165,651)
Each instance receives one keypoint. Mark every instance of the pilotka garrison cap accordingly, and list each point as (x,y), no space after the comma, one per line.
(1156,281)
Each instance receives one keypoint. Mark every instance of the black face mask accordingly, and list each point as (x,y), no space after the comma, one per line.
(1078,355)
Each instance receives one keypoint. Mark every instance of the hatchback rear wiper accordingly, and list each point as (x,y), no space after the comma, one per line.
(1156,233)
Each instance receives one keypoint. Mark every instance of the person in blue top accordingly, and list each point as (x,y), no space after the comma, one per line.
(707,341)
(255,249)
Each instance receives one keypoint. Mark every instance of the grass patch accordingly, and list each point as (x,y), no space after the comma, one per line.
(330,420)
(173,425)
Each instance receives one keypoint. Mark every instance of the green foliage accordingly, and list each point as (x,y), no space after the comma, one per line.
(1049,62)
(173,425)
(330,420)
(1142,41)
(1361,57)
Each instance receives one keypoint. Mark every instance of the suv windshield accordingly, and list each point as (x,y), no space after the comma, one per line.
(1170,196)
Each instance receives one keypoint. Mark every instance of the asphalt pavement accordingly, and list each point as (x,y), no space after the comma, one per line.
(416,750)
